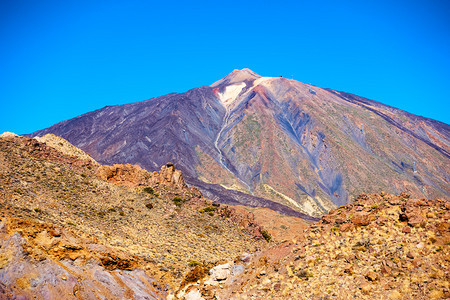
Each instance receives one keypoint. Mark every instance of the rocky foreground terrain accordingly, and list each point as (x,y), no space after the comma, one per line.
(74,229)
(379,247)
(113,231)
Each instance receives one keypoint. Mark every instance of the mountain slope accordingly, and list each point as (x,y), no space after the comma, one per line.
(140,233)
(272,142)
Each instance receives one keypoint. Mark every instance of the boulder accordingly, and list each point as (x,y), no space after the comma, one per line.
(361,219)
(220,272)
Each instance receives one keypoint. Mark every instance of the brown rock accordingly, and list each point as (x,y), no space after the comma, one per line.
(346,227)
(339,221)
(417,262)
(327,219)
(406,229)
(365,288)
(277,286)
(349,270)
(169,176)
(133,176)
(404,195)
(382,221)
(395,295)
(416,220)
(125,175)
(385,270)
(361,219)
(443,227)
(371,276)
(394,200)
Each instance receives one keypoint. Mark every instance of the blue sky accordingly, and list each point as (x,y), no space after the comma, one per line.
(59,59)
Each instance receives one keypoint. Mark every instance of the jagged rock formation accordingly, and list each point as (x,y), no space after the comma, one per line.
(134,176)
(272,142)
(380,247)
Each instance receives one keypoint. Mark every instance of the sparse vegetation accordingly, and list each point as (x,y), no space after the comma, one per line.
(193,263)
(266,235)
(149,205)
(209,209)
(304,274)
(149,190)
(178,201)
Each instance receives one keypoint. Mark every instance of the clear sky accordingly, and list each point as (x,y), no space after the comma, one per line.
(60,59)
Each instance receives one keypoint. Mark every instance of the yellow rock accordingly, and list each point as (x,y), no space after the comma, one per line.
(289,271)
(431,215)
(395,295)
(405,287)
(435,294)
(366,288)
(4,260)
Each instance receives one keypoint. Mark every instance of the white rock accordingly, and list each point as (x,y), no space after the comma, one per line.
(194,295)
(8,134)
(220,272)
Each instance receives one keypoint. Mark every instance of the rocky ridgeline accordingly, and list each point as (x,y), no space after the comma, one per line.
(379,247)
(65,147)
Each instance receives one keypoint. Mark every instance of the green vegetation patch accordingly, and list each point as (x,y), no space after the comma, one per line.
(149,190)
(193,263)
(266,235)
(178,201)
(208,209)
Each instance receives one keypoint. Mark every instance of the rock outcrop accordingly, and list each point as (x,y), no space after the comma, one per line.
(47,262)
(134,176)
(381,246)
(8,134)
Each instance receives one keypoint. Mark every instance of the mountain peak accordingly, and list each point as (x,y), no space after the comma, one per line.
(237,76)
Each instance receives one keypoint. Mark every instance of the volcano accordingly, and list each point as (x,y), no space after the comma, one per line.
(272,142)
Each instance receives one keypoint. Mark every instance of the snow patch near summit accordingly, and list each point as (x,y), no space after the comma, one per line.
(231,92)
